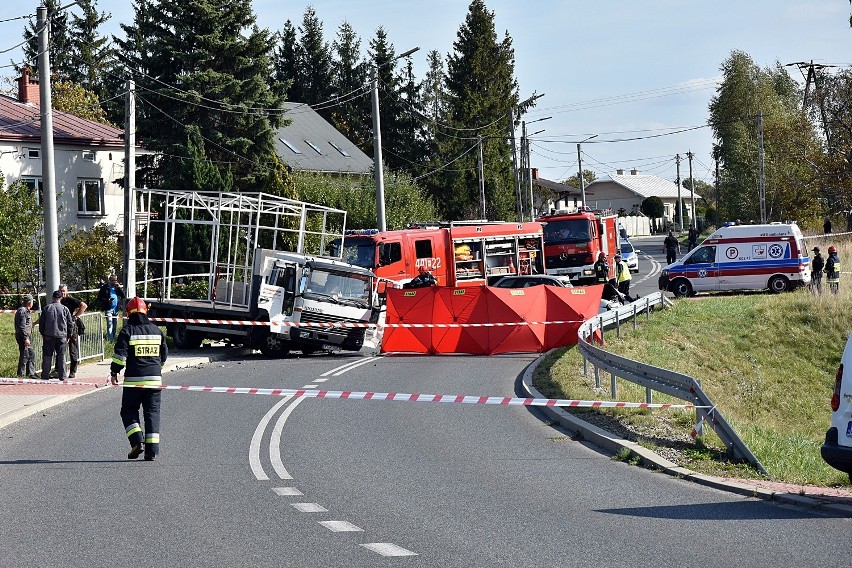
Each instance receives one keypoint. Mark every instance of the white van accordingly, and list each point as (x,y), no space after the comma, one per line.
(837,449)
(742,257)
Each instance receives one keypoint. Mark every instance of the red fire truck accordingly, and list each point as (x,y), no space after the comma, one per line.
(467,253)
(573,240)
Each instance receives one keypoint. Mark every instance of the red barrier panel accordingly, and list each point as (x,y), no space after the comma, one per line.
(435,307)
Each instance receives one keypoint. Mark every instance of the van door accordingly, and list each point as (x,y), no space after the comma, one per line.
(702,269)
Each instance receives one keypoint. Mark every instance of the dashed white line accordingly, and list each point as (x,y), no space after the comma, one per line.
(320,380)
(309,386)
(340,526)
(309,507)
(257,437)
(388,549)
(287,491)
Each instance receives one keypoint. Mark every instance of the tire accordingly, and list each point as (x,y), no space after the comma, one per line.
(185,338)
(274,346)
(778,284)
(681,288)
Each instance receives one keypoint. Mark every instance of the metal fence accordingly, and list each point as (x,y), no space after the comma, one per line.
(654,378)
(91,342)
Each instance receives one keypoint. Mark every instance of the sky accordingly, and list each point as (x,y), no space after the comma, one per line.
(643,70)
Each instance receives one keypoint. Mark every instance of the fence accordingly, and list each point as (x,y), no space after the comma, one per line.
(654,378)
(91,342)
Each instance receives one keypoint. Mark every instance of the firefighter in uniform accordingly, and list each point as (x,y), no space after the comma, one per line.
(832,269)
(141,347)
(601,269)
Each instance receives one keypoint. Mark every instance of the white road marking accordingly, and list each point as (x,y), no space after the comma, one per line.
(340,526)
(388,549)
(309,387)
(309,507)
(320,380)
(287,491)
(655,269)
(345,367)
(257,437)
(275,441)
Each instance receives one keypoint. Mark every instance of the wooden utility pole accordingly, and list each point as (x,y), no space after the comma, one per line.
(679,205)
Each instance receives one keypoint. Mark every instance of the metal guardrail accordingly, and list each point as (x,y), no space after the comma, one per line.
(654,378)
(91,342)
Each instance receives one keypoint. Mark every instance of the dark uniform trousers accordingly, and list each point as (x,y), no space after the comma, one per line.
(131,399)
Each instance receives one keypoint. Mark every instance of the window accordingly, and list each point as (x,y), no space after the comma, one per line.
(89,156)
(34,183)
(390,253)
(339,149)
(34,153)
(289,145)
(423,249)
(90,198)
(704,255)
(315,147)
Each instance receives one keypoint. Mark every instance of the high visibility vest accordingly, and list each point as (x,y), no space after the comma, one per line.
(623,271)
(833,277)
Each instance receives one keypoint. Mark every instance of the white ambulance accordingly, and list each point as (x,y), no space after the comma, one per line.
(742,257)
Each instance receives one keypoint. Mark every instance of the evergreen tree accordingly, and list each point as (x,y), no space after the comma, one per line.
(59,49)
(286,63)
(383,55)
(314,69)
(434,96)
(481,89)
(413,142)
(203,63)
(90,51)
(352,115)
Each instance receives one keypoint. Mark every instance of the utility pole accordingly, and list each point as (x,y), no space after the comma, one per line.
(515,162)
(481,181)
(530,182)
(761,183)
(129,187)
(48,172)
(718,194)
(679,201)
(693,220)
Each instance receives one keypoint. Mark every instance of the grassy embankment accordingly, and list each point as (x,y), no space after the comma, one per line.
(767,361)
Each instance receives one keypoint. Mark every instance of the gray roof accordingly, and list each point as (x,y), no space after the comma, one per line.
(309,143)
(644,186)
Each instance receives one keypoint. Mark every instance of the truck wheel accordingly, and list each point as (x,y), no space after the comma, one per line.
(274,346)
(185,338)
(778,284)
(681,288)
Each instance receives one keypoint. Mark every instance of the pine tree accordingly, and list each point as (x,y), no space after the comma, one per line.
(203,63)
(481,88)
(90,51)
(61,63)
(286,63)
(314,70)
(382,55)
(351,116)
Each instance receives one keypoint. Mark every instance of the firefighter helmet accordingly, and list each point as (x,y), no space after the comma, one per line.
(832,249)
(136,305)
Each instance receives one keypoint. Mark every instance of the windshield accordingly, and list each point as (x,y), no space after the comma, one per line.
(570,231)
(626,248)
(360,252)
(339,287)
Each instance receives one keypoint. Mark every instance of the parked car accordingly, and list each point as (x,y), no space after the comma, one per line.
(630,255)
(837,449)
(548,280)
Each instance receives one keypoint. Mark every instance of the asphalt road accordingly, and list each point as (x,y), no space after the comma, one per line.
(261,481)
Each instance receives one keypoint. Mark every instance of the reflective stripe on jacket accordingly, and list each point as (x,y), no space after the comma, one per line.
(623,271)
(142,349)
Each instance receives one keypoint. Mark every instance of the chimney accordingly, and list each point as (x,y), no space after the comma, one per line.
(634,172)
(27,89)
(619,172)
(534,173)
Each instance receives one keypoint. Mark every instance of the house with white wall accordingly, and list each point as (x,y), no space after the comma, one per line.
(88,159)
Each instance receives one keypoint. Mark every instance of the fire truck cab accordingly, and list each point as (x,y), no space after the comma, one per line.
(573,241)
(468,253)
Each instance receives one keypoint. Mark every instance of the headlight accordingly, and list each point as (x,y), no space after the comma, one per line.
(664,273)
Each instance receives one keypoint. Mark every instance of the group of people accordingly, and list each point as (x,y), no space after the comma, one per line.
(140,348)
(617,288)
(829,266)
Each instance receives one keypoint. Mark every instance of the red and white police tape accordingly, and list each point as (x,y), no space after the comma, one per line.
(391,396)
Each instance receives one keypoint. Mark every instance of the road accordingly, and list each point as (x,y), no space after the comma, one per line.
(652,259)
(261,481)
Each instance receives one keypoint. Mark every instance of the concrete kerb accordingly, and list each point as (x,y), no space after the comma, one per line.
(41,404)
(651,459)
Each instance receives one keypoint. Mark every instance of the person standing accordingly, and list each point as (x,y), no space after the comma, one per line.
(826,227)
(623,277)
(24,337)
(817,265)
(140,348)
(110,299)
(692,238)
(601,269)
(77,308)
(55,326)
(832,270)
(672,246)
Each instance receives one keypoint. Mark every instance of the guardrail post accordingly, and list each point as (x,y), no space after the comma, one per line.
(648,397)
(613,387)
(648,309)
(618,323)
(634,315)
(597,378)
(601,328)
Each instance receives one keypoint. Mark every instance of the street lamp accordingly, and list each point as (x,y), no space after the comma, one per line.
(580,170)
(377,141)
(526,148)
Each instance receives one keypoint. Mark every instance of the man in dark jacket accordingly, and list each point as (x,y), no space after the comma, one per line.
(672,246)
(141,348)
(24,338)
(817,264)
(110,299)
(56,327)
(77,308)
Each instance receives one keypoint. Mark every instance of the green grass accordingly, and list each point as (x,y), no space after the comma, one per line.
(767,361)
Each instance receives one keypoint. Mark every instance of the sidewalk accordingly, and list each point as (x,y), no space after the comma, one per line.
(20,401)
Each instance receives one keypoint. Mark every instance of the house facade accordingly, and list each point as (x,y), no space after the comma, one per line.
(88,159)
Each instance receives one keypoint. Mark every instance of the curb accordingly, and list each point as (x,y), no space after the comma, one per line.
(49,401)
(651,459)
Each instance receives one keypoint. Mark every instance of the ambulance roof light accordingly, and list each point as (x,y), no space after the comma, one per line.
(362,232)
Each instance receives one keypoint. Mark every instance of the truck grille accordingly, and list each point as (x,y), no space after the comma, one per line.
(568,260)
(349,333)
